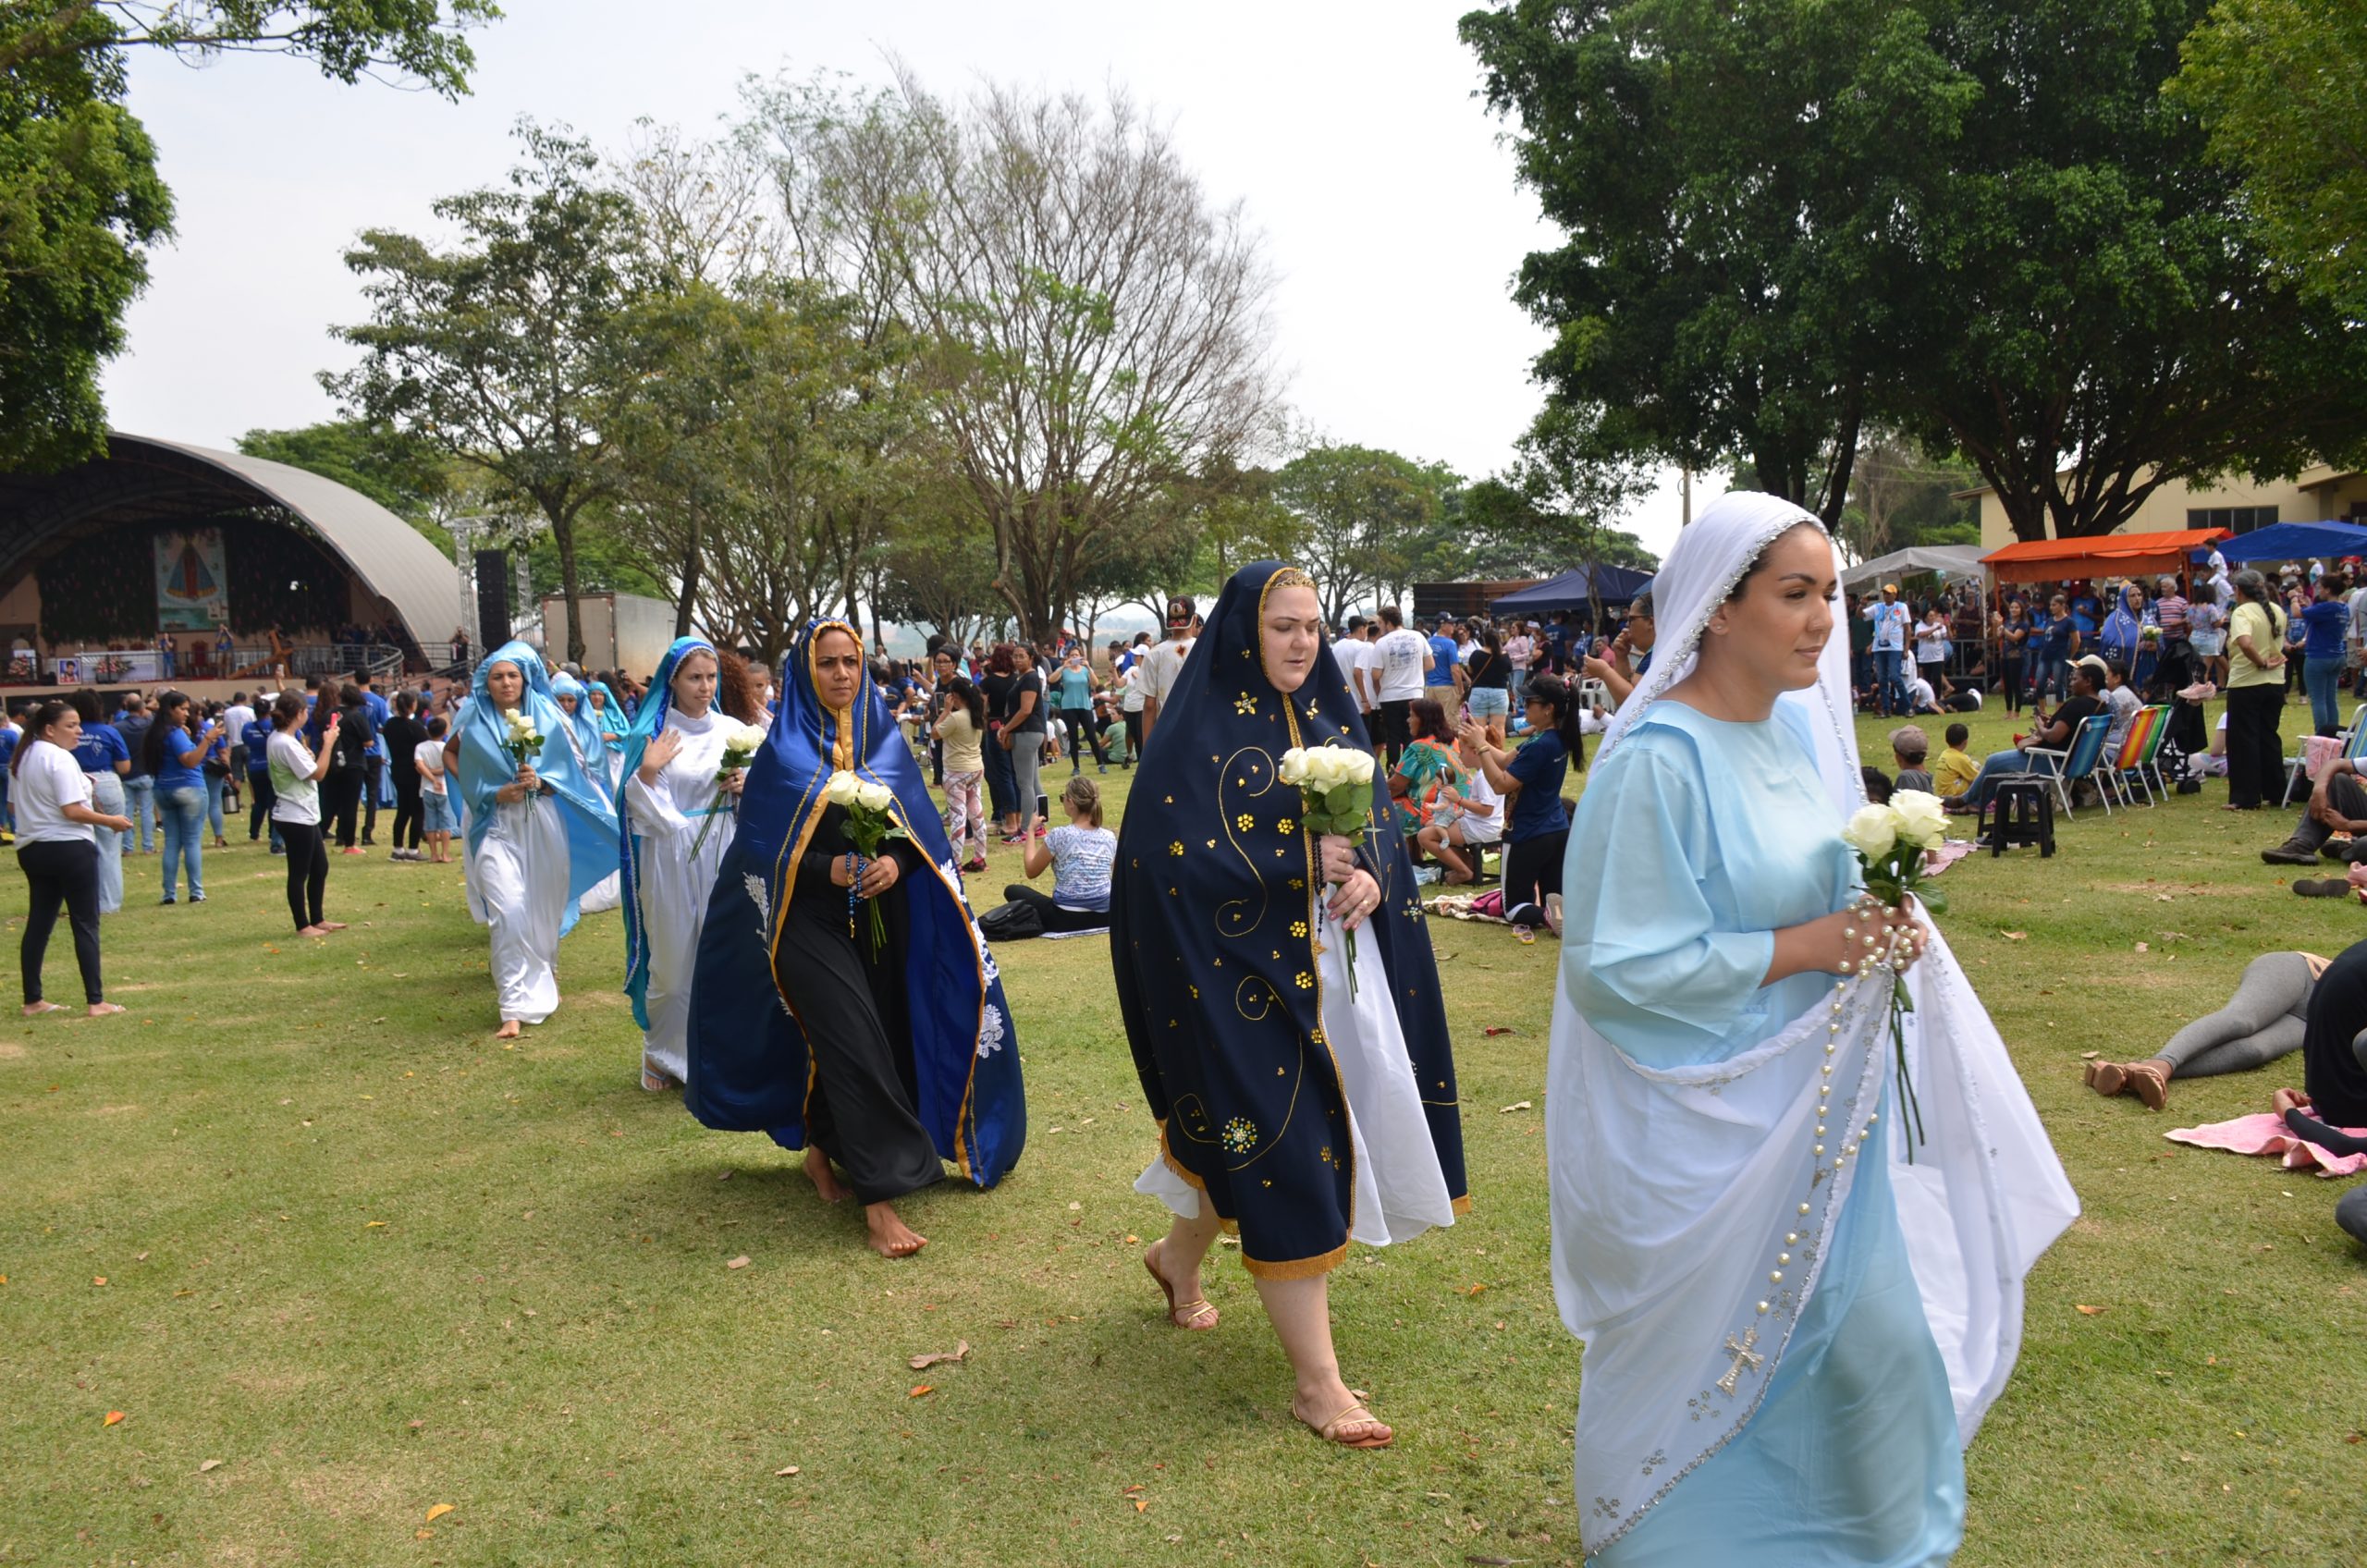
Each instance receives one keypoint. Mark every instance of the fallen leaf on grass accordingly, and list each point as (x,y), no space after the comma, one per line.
(2092,1311)
(1495,1029)
(961,1352)
(786,1470)
(2140,947)
(98,1279)
(739,1262)
(2015,936)
(920,1389)
(1141,1504)
(438,1511)
(209,1464)
(2090,1056)
(1516,1105)
(373,1224)
(115,1418)
(1475,1290)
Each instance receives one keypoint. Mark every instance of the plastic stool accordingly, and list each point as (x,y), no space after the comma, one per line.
(2025,814)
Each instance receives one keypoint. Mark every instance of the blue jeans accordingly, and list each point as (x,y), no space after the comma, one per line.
(180,813)
(1890,678)
(1995,765)
(140,805)
(2321,678)
(213,801)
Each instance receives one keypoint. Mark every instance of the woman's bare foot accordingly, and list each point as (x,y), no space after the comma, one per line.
(332,924)
(510,1029)
(890,1237)
(1188,1306)
(101,1009)
(827,1185)
(34,1009)
(2288,1099)
(1338,1415)
(312,930)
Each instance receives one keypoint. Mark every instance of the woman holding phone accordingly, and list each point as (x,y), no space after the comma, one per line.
(174,748)
(296,774)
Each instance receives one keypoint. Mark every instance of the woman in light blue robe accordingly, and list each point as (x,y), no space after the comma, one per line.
(1762,1381)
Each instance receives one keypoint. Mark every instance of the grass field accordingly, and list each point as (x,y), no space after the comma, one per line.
(342,1261)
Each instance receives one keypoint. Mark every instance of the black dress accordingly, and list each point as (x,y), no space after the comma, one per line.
(853,1009)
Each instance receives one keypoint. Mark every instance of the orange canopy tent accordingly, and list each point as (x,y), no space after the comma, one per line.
(2114,554)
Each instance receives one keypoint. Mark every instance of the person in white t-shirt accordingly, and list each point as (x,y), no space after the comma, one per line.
(1517,650)
(235,719)
(1354,652)
(296,774)
(1160,666)
(57,852)
(1402,659)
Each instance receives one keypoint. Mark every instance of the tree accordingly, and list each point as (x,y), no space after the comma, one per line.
(400,472)
(1552,510)
(502,351)
(2281,87)
(1100,329)
(2095,315)
(1722,173)
(79,196)
(1366,517)
(1899,497)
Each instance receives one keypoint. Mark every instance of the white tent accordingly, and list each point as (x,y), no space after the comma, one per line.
(1948,560)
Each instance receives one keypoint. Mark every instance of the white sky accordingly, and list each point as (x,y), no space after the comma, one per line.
(1348,131)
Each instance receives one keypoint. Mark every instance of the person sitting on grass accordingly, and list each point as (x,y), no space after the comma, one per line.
(1079,855)
(1425,767)
(1909,747)
(2334,1057)
(2338,805)
(1953,775)
(2053,732)
(1468,817)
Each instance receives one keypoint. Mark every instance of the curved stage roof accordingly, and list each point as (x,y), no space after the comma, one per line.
(145,480)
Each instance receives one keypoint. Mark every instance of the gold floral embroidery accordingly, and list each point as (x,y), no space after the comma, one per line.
(1298,927)
(1304,981)
(1176,848)
(1245,822)
(1240,1136)
(1287,825)
(1244,703)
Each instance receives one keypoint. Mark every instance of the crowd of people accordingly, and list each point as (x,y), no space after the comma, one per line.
(804,959)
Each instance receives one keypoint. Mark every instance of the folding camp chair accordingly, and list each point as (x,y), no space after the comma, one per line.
(2128,759)
(2074,763)
(2353,741)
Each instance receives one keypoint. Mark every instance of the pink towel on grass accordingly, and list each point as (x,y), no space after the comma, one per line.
(2265,1133)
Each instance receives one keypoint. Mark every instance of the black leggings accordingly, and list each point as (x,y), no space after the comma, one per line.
(1134,734)
(62,872)
(406,812)
(1533,868)
(308,869)
(340,797)
(1083,732)
(1055,917)
(370,768)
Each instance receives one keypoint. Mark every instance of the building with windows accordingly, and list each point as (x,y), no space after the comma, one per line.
(2236,502)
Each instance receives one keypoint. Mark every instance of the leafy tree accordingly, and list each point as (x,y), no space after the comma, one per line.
(80,200)
(1899,497)
(2281,86)
(501,351)
(400,472)
(1551,508)
(1368,519)
(1722,173)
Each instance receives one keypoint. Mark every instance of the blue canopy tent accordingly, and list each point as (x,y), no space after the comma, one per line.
(2294,542)
(1577,589)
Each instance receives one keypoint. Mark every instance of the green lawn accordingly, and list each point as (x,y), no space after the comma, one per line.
(298,1214)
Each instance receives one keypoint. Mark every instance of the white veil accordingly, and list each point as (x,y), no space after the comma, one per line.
(1685,1276)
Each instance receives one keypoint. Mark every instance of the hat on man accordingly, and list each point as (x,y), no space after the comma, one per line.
(2094,665)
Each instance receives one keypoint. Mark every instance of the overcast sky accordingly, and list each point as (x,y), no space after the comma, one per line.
(1348,132)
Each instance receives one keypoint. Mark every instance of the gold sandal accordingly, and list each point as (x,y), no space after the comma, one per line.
(1330,1430)
(1199,1313)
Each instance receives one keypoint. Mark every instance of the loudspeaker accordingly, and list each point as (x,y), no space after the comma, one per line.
(493,599)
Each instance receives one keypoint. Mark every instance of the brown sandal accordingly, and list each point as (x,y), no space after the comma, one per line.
(2107,1078)
(1375,1433)
(2150,1081)
(1198,1314)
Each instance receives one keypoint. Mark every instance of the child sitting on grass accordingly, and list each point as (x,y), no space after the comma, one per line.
(1909,747)
(1956,769)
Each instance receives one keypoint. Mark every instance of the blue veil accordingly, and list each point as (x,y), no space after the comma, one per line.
(485,765)
(750,1070)
(636,742)
(590,748)
(612,717)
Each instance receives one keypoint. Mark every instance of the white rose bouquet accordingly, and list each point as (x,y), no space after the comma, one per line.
(741,745)
(1335,796)
(1891,841)
(523,740)
(868,827)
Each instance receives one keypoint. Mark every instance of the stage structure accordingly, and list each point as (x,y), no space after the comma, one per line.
(167,562)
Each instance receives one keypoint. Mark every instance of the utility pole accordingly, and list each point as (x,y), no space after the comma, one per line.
(1684,489)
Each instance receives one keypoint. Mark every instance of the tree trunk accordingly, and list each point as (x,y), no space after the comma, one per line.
(688,609)
(563,535)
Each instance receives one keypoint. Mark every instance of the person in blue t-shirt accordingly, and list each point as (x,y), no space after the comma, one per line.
(2087,611)
(373,757)
(175,746)
(11,734)
(1537,827)
(2326,618)
(256,738)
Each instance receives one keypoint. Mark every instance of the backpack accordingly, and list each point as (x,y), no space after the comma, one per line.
(1011,923)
